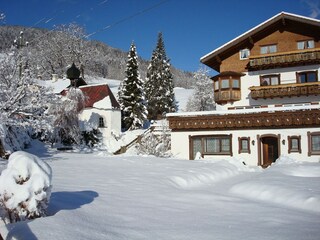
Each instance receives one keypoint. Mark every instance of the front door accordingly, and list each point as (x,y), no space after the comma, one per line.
(269,150)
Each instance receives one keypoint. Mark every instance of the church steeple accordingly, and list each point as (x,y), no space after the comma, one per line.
(73,73)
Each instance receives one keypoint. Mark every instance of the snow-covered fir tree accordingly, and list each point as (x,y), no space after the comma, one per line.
(131,94)
(159,83)
(202,99)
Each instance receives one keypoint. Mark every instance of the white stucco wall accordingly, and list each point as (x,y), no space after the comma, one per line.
(180,144)
(112,120)
(287,75)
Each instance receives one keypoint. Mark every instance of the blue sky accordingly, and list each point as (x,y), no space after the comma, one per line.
(191,28)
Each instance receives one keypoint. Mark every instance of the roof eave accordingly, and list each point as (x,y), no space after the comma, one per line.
(256,29)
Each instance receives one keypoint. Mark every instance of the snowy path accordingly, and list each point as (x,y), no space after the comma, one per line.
(131,197)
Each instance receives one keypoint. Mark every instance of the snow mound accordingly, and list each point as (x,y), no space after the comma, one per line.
(25,186)
(212,173)
(300,169)
(268,187)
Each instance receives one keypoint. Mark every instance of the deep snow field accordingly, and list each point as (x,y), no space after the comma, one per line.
(99,196)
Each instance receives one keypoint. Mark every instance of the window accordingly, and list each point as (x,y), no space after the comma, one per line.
(313,143)
(269,80)
(244,54)
(305,44)
(225,83)
(101,122)
(235,83)
(244,145)
(268,49)
(305,77)
(294,144)
(211,145)
(216,85)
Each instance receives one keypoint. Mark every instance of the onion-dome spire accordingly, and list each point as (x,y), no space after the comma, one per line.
(73,72)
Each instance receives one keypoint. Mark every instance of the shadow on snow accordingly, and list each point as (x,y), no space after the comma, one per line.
(69,200)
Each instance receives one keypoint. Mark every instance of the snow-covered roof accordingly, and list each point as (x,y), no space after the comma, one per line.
(57,86)
(245,111)
(258,28)
(97,93)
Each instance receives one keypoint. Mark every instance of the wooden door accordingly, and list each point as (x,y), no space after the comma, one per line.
(269,150)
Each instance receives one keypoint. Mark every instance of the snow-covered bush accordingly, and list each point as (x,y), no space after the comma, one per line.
(152,144)
(66,117)
(13,138)
(25,187)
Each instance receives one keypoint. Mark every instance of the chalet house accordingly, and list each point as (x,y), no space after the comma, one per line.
(267,91)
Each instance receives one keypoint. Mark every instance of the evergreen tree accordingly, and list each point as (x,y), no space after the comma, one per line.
(202,99)
(131,94)
(159,83)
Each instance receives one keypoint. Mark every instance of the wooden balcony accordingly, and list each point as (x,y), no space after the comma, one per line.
(286,59)
(285,90)
(224,96)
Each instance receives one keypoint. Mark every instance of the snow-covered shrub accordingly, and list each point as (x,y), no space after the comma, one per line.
(25,187)
(66,117)
(13,138)
(151,144)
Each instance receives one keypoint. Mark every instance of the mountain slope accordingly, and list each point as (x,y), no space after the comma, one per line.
(109,62)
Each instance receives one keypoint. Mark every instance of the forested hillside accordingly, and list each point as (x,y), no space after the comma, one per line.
(50,51)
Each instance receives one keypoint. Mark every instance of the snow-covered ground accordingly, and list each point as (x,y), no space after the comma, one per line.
(98,196)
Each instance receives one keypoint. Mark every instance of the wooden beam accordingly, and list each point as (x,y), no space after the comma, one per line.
(251,40)
(218,59)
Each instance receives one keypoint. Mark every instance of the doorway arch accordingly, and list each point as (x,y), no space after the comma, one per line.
(268,149)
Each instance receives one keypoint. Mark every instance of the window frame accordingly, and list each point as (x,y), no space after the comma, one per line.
(101,123)
(218,84)
(305,44)
(292,150)
(241,53)
(298,74)
(310,150)
(204,142)
(269,76)
(268,47)
(226,80)
(241,150)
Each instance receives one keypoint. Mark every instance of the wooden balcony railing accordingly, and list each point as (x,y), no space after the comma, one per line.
(285,90)
(294,58)
(224,96)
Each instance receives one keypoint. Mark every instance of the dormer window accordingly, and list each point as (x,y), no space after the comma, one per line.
(244,53)
(268,49)
(306,44)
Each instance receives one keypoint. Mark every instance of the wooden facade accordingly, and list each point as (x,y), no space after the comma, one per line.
(258,120)
(284,30)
